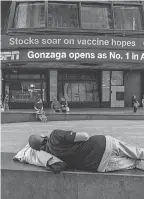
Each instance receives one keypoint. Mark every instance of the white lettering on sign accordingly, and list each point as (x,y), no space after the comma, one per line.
(17,41)
(113,55)
(14,55)
(97,41)
(123,43)
(50,41)
(81,55)
(69,41)
(46,55)
(102,56)
(142,56)
(73,40)
(72,55)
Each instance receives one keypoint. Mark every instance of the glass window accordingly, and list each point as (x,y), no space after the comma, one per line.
(74,76)
(123,1)
(23,76)
(119,96)
(92,92)
(26,91)
(53,84)
(79,90)
(25,87)
(29,15)
(96,16)
(105,86)
(117,78)
(62,15)
(127,18)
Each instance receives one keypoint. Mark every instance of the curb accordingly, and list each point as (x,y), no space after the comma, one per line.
(8,117)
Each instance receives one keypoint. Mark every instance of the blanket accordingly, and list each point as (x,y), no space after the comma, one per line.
(37,158)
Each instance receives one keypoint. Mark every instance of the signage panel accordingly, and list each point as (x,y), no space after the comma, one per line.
(71,41)
(74,55)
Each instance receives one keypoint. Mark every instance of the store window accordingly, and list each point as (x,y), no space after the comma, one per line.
(62,15)
(122,15)
(127,18)
(23,89)
(105,86)
(117,78)
(119,96)
(96,16)
(29,15)
(79,87)
(123,1)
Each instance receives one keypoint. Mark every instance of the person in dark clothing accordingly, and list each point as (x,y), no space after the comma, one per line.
(64,105)
(38,106)
(143,101)
(1,104)
(6,103)
(135,103)
(55,105)
(97,153)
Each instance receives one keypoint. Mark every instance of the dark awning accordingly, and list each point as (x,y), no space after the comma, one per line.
(64,65)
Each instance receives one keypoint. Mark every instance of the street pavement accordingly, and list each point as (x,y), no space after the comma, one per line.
(14,136)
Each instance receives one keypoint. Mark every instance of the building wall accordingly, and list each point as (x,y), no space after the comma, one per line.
(53,84)
(132,81)
(5,7)
(142,83)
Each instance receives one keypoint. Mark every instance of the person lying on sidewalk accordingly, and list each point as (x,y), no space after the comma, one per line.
(98,153)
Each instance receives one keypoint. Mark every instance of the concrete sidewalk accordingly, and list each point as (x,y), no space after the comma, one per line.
(26,115)
(97,111)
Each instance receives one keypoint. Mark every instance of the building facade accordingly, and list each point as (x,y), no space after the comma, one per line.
(90,52)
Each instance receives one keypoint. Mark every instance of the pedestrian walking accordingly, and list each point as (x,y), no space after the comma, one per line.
(135,103)
(1,104)
(143,101)
(6,103)
(98,153)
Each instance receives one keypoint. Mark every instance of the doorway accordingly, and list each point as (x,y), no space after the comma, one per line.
(117,89)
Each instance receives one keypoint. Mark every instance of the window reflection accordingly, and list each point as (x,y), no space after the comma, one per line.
(96,16)
(117,78)
(25,87)
(62,15)
(81,91)
(79,87)
(26,91)
(127,18)
(121,1)
(66,15)
(29,15)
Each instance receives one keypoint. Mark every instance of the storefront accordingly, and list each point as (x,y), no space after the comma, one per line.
(90,52)
(89,71)
(23,85)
